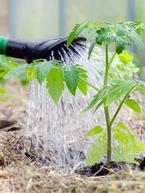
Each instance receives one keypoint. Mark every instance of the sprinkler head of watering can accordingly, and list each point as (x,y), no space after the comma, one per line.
(51,49)
(57,49)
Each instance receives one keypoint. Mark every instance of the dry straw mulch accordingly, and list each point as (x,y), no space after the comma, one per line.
(18,174)
(31,179)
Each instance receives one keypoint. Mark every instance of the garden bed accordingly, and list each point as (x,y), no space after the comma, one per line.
(20,174)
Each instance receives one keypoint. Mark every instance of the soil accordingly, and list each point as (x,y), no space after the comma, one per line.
(19,173)
(103,169)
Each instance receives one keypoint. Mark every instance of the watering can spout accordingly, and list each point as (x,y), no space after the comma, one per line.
(49,50)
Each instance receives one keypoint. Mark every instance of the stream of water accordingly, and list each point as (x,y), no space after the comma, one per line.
(58,131)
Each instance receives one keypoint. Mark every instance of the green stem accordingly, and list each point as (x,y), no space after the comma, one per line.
(107,67)
(94,87)
(112,58)
(120,106)
(106,109)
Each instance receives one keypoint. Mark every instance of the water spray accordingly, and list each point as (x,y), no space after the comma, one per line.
(56,133)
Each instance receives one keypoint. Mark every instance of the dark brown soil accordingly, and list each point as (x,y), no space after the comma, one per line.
(102,169)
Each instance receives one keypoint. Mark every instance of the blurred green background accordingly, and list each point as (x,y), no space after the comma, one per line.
(43,19)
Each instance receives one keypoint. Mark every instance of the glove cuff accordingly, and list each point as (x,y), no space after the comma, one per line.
(3,44)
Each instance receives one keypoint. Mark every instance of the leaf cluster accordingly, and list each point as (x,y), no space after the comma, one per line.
(117,90)
(120,35)
(54,74)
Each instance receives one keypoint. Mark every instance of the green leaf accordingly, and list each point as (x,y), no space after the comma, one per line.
(123,126)
(83,86)
(55,83)
(123,150)
(120,48)
(15,72)
(133,105)
(78,28)
(140,85)
(95,131)
(97,99)
(30,73)
(138,26)
(91,48)
(97,150)
(41,71)
(82,83)
(118,89)
(71,78)
(101,35)
(120,135)
(136,40)
(137,146)
(129,36)
(112,93)
(120,154)
(127,140)
(126,57)
(71,37)
(2,90)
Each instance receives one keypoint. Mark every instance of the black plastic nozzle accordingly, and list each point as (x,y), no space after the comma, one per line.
(49,50)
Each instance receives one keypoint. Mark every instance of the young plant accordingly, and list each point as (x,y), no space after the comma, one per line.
(112,36)
(116,138)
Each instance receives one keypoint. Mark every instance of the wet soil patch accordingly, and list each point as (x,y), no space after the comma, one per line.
(142,164)
(102,169)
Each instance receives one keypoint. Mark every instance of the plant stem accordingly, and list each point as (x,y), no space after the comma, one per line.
(120,106)
(109,63)
(107,67)
(112,58)
(88,83)
(106,109)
